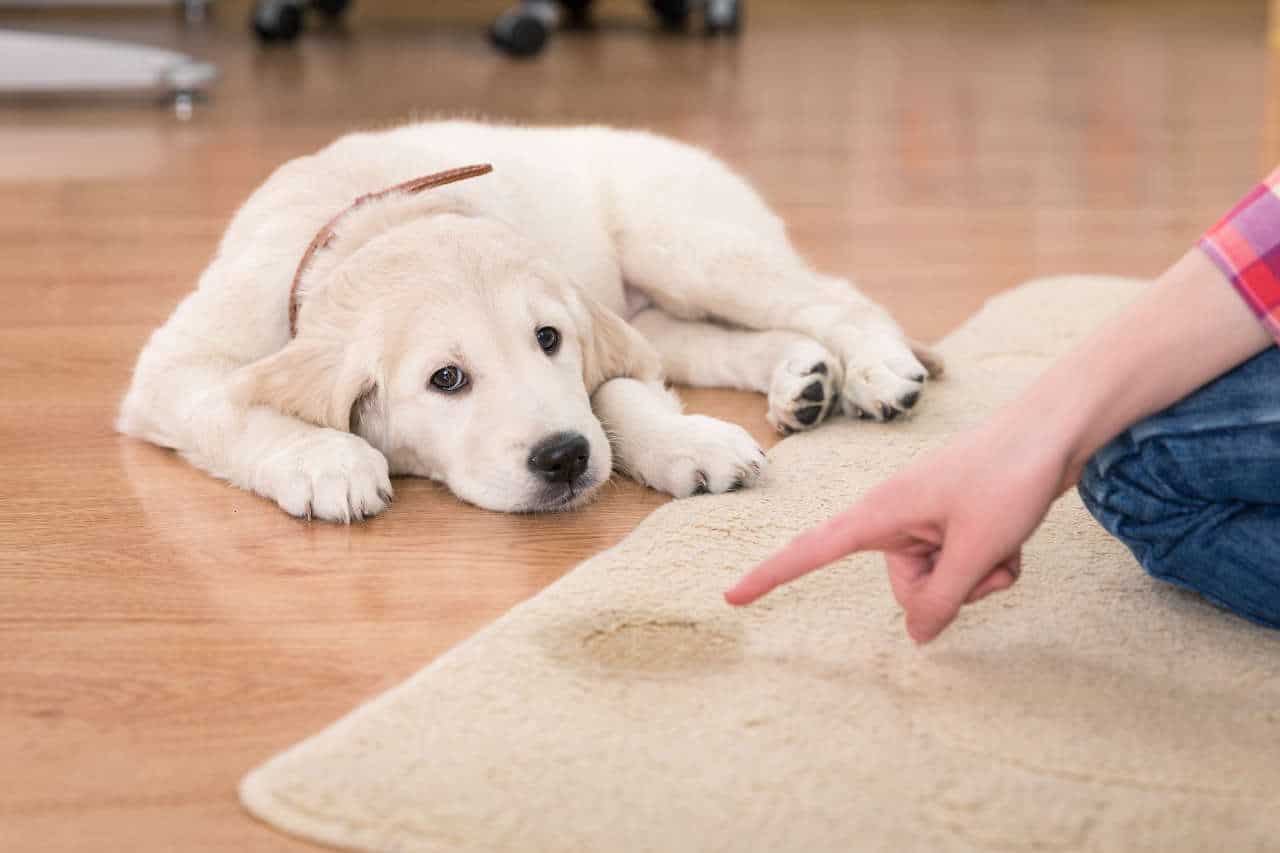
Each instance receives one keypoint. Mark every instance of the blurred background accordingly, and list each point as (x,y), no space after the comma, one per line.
(161,633)
(938,151)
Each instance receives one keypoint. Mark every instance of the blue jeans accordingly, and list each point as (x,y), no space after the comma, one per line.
(1194,491)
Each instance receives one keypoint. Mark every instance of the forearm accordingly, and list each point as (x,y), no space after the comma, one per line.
(1189,328)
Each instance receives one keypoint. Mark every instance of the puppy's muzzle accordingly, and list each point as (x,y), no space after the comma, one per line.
(560,458)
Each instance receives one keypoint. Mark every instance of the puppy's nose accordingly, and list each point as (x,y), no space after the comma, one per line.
(560,458)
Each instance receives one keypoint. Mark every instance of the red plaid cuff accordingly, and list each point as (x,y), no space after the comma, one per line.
(1246,247)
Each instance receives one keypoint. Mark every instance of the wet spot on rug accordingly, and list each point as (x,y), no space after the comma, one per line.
(647,646)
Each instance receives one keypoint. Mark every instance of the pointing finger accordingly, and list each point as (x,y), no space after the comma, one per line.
(856,529)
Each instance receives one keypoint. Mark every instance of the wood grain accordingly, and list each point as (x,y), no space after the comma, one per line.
(161,633)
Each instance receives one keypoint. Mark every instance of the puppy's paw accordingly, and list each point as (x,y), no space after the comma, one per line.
(805,387)
(329,475)
(696,455)
(883,377)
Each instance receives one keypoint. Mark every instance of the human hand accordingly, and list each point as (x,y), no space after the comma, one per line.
(951,526)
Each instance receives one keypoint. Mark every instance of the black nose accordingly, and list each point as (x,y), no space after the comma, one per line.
(561,458)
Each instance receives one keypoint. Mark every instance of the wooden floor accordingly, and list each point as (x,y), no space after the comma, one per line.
(161,633)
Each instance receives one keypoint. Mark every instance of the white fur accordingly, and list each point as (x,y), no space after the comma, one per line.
(576,228)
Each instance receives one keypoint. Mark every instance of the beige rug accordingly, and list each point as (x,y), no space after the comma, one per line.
(626,708)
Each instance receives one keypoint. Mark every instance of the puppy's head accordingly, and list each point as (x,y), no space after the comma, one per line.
(452,348)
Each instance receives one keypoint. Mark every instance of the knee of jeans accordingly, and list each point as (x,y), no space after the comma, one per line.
(1126,487)
(1114,478)
(1090,483)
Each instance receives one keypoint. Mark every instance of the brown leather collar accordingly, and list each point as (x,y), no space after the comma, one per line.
(325,235)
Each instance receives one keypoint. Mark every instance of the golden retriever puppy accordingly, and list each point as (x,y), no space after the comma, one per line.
(374,310)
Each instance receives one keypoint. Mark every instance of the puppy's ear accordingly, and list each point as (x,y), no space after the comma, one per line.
(315,380)
(611,347)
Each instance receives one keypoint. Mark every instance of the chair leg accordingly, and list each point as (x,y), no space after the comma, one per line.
(523,30)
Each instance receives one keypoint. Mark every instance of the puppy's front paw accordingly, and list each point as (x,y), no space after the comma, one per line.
(883,378)
(331,475)
(695,455)
(805,387)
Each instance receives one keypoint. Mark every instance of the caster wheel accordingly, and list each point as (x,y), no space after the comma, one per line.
(331,8)
(276,21)
(674,14)
(724,17)
(519,35)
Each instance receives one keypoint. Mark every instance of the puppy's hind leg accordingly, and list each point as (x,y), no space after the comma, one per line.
(801,377)
(699,270)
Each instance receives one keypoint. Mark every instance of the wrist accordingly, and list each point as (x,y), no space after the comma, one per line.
(1046,428)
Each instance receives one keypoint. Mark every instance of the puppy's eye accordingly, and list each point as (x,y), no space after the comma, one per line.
(449,379)
(549,339)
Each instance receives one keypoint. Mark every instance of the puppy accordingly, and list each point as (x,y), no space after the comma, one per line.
(373,310)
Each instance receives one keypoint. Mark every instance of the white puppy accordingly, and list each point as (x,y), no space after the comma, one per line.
(506,333)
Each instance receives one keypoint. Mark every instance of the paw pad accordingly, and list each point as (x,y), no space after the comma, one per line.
(808,415)
(803,392)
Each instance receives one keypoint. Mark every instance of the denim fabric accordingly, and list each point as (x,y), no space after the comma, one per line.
(1194,491)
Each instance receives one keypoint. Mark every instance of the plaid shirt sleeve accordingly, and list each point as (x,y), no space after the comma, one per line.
(1246,247)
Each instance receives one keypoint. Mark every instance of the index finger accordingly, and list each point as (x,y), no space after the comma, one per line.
(855,529)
